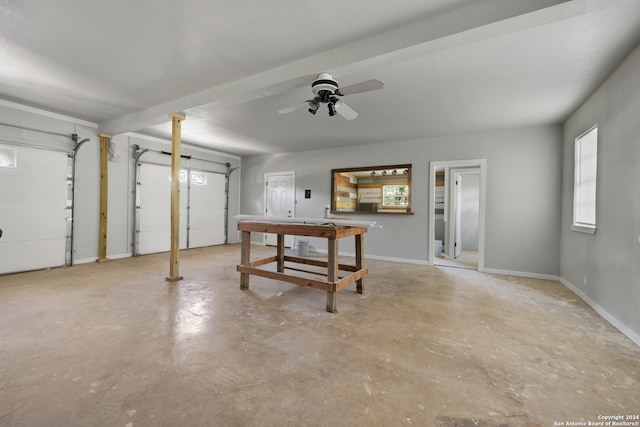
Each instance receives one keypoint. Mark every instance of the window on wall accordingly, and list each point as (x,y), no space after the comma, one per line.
(395,195)
(196,178)
(584,190)
(8,157)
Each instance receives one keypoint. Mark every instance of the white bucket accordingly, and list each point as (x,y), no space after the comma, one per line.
(302,248)
(437,247)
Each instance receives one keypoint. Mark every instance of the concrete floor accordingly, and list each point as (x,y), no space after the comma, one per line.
(467,259)
(114,344)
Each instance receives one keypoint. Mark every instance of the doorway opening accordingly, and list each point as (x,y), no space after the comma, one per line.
(457,207)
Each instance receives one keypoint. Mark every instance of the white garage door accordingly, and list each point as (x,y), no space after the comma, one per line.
(206,213)
(202,202)
(33,197)
(154,209)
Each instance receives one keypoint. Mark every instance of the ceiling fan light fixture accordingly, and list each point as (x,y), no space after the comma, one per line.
(313,107)
(332,109)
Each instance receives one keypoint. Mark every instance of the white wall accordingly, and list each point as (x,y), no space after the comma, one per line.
(610,259)
(523,193)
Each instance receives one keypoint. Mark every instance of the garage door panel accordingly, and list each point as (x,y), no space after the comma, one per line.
(155,220)
(207,211)
(24,224)
(205,217)
(154,241)
(201,238)
(34,210)
(38,162)
(20,191)
(206,198)
(155,197)
(201,218)
(154,200)
(31,255)
(150,174)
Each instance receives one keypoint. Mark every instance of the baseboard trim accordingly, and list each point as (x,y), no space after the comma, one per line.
(376,257)
(520,274)
(614,321)
(94,259)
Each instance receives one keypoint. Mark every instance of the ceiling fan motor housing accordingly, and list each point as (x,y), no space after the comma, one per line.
(324,82)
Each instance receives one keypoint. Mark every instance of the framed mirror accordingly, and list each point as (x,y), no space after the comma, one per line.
(371,190)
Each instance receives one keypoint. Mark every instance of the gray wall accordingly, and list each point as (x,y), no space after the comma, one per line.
(610,259)
(523,193)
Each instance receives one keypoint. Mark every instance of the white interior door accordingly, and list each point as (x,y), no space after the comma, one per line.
(279,197)
(33,191)
(154,201)
(206,213)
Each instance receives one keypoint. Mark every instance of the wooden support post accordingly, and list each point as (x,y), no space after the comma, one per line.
(104,197)
(332,273)
(174,266)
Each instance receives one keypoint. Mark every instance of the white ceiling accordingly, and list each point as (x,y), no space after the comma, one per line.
(449,66)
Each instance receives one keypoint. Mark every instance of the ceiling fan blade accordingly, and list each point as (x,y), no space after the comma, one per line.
(293,108)
(345,111)
(365,86)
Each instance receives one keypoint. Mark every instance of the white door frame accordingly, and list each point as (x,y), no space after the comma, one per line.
(288,239)
(472,163)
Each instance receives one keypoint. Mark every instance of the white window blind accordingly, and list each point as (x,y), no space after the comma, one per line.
(584,192)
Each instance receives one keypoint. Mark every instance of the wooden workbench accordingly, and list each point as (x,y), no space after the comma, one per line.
(332,233)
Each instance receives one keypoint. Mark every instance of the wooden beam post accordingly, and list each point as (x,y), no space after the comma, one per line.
(104,196)
(174,266)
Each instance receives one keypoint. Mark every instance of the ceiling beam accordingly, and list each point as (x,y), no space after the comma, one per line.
(470,24)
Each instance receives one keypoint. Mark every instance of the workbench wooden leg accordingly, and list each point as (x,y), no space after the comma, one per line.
(245,256)
(332,273)
(280,253)
(360,261)
(331,302)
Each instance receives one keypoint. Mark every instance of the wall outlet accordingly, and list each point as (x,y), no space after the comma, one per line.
(585,280)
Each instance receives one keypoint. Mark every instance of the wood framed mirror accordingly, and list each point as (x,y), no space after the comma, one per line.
(371,190)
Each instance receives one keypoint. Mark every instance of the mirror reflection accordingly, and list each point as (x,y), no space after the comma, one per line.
(371,189)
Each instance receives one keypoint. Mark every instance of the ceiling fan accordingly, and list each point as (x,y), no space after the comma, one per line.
(327,91)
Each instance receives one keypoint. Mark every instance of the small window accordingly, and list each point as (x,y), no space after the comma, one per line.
(8,157)
(199,178)
(584,190)
(182,176)
(395,195)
